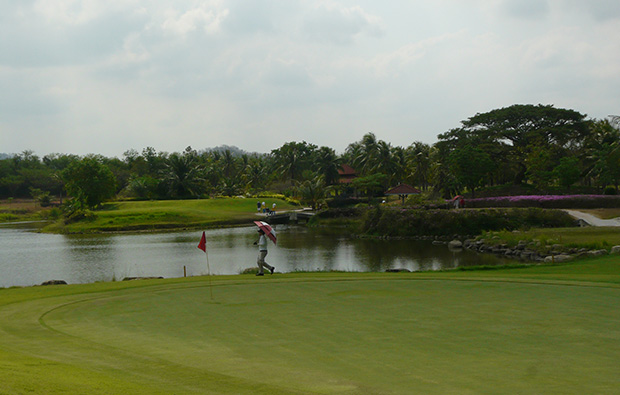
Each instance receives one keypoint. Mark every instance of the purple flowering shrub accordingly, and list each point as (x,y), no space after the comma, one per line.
(547,201)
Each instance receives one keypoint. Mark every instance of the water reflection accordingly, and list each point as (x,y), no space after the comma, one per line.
(28,258)
(85,257)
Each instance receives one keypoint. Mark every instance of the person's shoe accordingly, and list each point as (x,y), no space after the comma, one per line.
(260,274)
(272,269)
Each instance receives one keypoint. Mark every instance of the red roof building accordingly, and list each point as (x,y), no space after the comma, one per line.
(346,174)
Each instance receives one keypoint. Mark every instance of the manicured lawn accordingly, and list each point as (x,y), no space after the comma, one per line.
(549,329)
(166,214)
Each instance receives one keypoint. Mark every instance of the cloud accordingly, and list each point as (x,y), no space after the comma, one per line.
(334,23)
(206,17)
(525,9)
(106,76)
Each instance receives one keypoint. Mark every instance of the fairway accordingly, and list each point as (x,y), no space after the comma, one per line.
(318,333)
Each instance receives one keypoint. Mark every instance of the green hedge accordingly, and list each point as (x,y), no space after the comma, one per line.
(407,223)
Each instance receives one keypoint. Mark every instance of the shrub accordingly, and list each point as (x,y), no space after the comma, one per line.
(408,223)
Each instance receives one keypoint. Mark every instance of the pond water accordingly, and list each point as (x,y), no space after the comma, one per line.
(30,258)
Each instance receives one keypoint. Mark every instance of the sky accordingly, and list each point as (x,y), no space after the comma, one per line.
(104,77)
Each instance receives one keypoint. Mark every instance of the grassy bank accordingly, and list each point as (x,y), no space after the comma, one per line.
(167,214)
(25,210)
(591,238)
(541,329)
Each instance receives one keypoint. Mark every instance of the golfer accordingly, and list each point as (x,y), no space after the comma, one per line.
(262,253)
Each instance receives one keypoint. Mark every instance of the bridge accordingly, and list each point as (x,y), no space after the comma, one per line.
(289,216)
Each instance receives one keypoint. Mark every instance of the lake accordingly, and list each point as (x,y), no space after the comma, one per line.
(30,258)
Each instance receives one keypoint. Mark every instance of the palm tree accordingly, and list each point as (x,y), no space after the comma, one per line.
(313,192)
(255,173)
(419,159)
(184,175)
(327,164)
(293,158)
(367,157)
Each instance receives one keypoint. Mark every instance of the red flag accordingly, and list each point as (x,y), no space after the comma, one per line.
(203,242)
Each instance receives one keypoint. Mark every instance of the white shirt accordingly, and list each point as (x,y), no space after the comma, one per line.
(262,243)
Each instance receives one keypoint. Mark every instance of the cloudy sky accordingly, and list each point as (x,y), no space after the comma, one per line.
(105,76)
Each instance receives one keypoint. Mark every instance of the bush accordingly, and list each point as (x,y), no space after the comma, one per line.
(610,191)
(408,223)
(80,215)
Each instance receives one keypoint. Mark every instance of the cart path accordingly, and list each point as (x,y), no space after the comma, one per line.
(593,220)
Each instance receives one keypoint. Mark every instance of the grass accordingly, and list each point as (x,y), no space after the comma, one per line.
(543,329)
(21,209)
(167,214)
(587,237)
(604,213)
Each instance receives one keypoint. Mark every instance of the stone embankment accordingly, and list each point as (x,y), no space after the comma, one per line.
(528,251)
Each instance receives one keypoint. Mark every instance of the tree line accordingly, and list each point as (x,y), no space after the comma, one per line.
(535,145)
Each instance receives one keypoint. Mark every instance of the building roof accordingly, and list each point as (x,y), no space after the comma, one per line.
(346,170)
(403,189)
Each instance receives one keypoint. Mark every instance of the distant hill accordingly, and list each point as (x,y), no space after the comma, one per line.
(236,151)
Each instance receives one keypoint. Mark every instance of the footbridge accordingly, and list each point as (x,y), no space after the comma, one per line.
(286,217)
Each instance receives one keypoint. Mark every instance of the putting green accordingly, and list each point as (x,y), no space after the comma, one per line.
(302,333)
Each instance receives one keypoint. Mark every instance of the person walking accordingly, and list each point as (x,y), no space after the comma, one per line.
(262,253)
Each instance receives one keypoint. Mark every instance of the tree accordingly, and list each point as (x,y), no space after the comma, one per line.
(539,166)
(603,154)
(567,172)
(419,162)
(470,166)
(255,173)
(371,185)
(89,182)
(293,158)
(313,191)
(327,164)
(364,154)
(184,174)
(509,134)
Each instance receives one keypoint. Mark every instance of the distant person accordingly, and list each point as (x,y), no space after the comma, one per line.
(273,208)
(262,253)
(264,206)
(258,206)
(461,202)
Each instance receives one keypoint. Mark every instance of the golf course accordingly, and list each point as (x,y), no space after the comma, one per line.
(540,329)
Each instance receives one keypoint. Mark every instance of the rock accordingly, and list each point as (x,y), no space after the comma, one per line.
(558,258)
(438,242)
(455,244)
(615,250)
(582,223)
(54,282)
(140,278)
(597,252)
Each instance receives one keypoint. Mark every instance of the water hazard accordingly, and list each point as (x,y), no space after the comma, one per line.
(30,258)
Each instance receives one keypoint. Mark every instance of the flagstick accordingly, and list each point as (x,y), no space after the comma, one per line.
(209,274)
